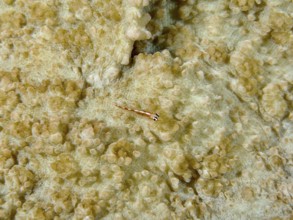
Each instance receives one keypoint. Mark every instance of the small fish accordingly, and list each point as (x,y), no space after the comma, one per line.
(155,116)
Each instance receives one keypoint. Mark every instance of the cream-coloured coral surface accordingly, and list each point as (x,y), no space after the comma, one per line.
(219,74)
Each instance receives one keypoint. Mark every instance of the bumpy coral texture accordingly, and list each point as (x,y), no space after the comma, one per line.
(219,73)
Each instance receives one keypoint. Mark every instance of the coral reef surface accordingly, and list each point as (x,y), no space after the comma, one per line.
(219,74)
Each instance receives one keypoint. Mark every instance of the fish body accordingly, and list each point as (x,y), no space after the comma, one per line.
(152,116)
